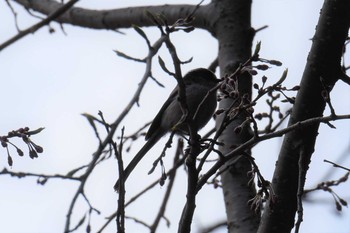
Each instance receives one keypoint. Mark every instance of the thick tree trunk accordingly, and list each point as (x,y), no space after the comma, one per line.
(321,72)
(234,33)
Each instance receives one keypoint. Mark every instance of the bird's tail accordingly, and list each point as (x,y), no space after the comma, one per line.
(131,166)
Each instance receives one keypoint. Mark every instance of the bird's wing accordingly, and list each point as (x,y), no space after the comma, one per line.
(158,118)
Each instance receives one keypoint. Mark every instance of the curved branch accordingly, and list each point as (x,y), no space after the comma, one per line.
(119,18)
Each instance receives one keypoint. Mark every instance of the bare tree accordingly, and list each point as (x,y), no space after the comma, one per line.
(267,206)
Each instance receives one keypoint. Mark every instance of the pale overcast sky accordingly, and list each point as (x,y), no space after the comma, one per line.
(48,80)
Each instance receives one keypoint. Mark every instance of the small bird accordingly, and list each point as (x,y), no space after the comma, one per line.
(198,83)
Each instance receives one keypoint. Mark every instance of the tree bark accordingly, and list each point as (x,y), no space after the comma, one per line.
(321,72)
(234,33)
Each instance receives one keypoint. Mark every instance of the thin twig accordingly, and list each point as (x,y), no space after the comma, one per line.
(39,25)
(336,165)
(121,197)
(214,227)
(301,183)
(113,128)
(204,178)
(14,14)
(142,192)
(39,176)
(169,188)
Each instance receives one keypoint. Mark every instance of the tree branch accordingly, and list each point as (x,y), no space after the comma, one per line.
(323,68)
(113,127)
(245,146)
(51,16)
(118,18)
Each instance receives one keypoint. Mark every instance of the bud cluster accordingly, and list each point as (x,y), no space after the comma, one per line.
(24,134)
